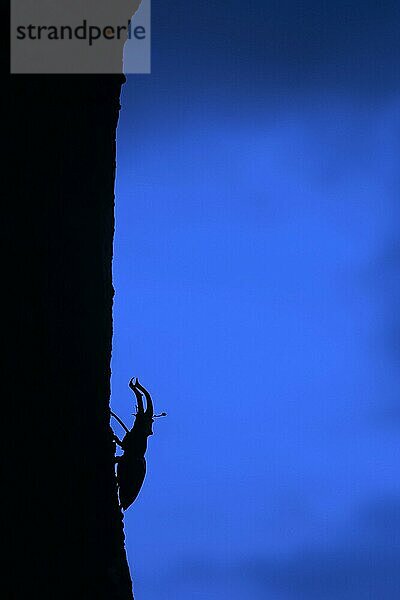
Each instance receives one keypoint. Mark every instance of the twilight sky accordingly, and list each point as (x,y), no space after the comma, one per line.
(256,268)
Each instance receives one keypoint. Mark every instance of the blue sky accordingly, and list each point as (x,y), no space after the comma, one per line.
(256,270)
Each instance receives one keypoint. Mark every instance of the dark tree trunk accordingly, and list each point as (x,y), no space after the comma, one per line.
(65,523)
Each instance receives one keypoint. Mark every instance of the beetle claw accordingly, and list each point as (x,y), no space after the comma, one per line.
(149,406)
(139,396)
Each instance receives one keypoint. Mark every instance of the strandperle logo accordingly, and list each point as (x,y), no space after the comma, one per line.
(93,36)
(89,33)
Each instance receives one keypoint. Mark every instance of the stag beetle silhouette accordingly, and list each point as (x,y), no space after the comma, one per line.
(131,466)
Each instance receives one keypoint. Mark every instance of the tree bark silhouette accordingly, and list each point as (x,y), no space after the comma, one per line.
(65,533)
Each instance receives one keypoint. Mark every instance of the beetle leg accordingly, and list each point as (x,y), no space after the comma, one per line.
(117,440)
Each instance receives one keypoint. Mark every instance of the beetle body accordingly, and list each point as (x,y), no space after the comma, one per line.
(131,466)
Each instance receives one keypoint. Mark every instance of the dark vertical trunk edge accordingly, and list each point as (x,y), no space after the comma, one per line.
(66,533)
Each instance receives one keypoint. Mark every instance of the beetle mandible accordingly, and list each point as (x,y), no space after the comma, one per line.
(131,466)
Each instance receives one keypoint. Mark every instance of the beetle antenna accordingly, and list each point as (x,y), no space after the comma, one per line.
(116,417)
(163,414)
